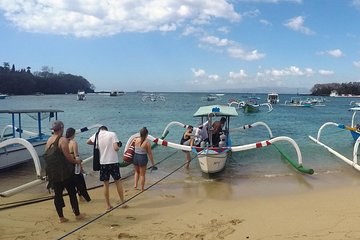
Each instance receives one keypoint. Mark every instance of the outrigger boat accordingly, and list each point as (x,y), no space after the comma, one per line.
(355,133)
(249,106)
(18,146)
(298,102)
(15,152)
(212,159)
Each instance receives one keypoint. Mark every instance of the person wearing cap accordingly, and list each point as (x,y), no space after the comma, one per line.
(109,145)
(68,183)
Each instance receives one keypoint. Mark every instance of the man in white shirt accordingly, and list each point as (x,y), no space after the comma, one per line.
(109,146)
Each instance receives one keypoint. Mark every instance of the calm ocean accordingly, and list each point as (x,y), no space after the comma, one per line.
(126,114)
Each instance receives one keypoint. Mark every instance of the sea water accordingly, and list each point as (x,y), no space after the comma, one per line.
(127,114)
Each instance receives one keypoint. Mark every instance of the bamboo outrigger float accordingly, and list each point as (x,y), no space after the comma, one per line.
(212,158)
(355,133)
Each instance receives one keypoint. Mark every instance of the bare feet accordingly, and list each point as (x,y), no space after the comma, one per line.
(63,219)
(80,216)
(109,208)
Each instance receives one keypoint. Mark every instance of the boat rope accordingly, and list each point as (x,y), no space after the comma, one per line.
(5,206)
(128,200)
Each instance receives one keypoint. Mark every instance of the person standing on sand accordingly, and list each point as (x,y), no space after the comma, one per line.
(187,139)
(80,183)
(109,145)
(142,155)
(57,148)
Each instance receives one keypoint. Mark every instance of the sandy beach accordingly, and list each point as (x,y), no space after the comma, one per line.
(299,207)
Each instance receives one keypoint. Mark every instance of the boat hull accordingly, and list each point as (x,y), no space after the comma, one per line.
(212,162)
(16,154)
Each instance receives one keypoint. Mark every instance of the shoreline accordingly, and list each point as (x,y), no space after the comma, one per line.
(295,207)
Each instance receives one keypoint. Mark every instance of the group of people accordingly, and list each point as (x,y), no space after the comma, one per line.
(109,145)
(200,136)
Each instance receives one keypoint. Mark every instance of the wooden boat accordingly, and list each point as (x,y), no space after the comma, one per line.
(212,159)
(152,97)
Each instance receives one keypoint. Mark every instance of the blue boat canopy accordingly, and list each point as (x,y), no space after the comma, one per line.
(217,110)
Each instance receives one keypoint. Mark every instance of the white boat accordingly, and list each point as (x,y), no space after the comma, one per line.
(116,93)
(273,98)
(3,96)
(212,159)
(152,97)
(81,95)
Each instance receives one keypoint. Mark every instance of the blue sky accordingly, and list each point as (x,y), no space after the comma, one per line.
(189,45)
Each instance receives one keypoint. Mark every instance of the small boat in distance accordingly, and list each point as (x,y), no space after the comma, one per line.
(273,98)
(3,96)
(212,97)
(81,95)
(116,93)
(298,102)
(152,97)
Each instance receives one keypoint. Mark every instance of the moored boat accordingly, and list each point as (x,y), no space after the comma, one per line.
(116,93)
(273,98)
(354,130)
(212,157)
(81,95)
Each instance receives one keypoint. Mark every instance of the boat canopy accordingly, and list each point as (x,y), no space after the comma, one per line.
(30,111)
(217,110)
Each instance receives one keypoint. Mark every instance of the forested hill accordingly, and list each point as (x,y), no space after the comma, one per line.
(23,82)
(341,88)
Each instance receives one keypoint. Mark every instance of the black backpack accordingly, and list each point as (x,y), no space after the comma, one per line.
(58,168)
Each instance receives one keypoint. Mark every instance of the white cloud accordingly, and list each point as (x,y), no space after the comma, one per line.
(333,53)
(290,71)
(237,52)
(212,40)
(356,64)
(201,78)
(87,18)
(265,22)
(198,72)
(297,24)
(238,75)
(271,1)
(224,29)
(326,72)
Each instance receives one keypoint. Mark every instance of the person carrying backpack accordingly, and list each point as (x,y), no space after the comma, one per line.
(60,171)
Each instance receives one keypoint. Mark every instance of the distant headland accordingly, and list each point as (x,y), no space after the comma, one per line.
(23,82)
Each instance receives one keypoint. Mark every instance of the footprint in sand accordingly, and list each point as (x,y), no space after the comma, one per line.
(126,235)
(170,235)
(186,236)
(236,221)
(223,233)
(169,196)
(131,218)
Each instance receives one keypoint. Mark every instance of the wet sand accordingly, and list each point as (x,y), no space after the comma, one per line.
(292,207)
